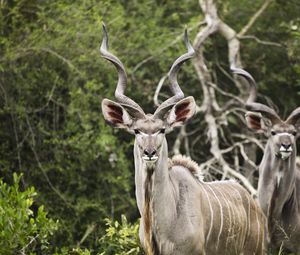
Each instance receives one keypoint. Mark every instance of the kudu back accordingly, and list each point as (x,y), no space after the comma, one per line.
(180,213)
(279,178)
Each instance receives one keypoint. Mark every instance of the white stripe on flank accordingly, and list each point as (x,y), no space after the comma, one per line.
(248,217)
(258,232)
(211,213)
(242,235)
(221,214)
(229,214)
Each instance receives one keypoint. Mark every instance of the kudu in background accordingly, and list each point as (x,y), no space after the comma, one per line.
(180,214)
(279,178)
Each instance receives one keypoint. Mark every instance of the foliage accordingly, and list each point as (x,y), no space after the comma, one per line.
(75,251)
(120,238)
(22,231)
(52,81)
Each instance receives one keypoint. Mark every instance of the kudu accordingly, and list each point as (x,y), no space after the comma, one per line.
(279,178)
(180,214)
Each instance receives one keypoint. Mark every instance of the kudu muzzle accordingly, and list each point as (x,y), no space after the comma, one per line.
(150,151)
(285,145)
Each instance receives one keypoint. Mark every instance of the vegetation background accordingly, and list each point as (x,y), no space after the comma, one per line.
(67,177)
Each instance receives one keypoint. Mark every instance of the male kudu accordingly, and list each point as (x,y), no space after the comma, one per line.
(279,178)
(180,214)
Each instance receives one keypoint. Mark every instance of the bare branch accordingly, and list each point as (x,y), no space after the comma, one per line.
(259,12)
(214,116)
(244,154)
(252,37)
(158,88)
(250,139)
(178,141)
(224,93)
(174,42)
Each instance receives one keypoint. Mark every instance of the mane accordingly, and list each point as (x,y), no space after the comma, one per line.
(187,162)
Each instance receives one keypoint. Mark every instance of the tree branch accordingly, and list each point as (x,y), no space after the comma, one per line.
(259,12)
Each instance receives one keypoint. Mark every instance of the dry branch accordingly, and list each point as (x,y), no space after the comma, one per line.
(215,118)
(213,113)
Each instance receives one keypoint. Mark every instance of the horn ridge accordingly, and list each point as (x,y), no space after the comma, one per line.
(122,77)
(172,74)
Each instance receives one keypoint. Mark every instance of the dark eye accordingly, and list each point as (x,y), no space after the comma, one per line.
(273,133)
(136,131)
(162,131)
(294,133)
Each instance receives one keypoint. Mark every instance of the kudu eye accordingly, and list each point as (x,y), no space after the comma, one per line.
(273,133)
(162,131)
(136,131)
(294,133)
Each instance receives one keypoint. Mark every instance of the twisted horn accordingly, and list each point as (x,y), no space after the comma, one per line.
(251,105)
(174,86)
(125,101)
(250,79)
(294,116)
(265,111)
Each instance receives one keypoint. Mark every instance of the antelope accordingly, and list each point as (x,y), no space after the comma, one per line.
(180,213)
(279,178)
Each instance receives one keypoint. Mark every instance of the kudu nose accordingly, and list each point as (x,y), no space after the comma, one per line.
(150,153)
(286,145)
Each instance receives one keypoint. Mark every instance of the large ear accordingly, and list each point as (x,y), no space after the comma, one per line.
(181,112)
(115,114)
(257,122)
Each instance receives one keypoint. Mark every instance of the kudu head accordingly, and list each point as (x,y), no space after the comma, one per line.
(281,134)
(149,129)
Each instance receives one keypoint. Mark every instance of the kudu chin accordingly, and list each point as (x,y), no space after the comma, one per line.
(279,178)
(180,214)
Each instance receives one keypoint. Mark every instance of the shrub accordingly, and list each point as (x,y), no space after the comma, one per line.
(21,230)
(120,239)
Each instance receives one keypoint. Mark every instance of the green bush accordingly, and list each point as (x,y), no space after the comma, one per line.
(120,239)
(75,251)
(21,230)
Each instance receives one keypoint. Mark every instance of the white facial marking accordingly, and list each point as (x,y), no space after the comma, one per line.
(148,159)
(285,154)
(144,134)
(283,149)
(285,133)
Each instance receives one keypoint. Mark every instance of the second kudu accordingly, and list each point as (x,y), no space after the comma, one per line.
(180,214)
(279,178)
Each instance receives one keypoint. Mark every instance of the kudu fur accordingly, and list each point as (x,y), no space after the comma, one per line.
(180,214)
(279,178)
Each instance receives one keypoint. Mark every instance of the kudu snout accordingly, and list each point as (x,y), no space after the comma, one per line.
(285,142)
(150,152)
(286,145)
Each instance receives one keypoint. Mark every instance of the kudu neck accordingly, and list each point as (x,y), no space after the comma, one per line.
(156,173)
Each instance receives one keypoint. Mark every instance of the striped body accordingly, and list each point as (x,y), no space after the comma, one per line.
(235,222)
(188,216)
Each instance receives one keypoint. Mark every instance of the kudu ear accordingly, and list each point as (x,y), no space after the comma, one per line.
(115,114)
(257,122)
(181,112)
